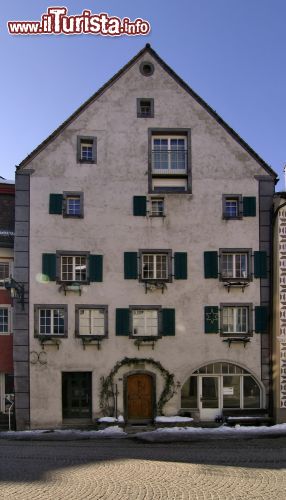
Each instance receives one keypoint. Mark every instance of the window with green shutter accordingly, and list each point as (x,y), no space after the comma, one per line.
(122,322)
(139,205)
(211,264)
(56,204)
(49,265)
(168,323)
(249,206)
(261,319)
(260,264)
(96,268)
(181,265)
(130,265)
(211,319)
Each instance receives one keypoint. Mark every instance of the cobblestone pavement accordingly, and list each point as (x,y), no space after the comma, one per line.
(130,470)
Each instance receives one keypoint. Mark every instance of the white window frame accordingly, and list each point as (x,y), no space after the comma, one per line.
(236,310)
(8,308)
(52,326)
(154,257)
(169,151)
(233,256)
(74,278)
(137,331)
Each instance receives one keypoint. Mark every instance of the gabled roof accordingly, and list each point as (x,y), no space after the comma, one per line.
(148,50)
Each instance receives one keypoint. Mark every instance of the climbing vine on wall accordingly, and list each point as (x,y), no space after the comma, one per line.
(107,397)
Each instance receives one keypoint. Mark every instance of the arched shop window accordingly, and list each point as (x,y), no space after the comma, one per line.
(237,387)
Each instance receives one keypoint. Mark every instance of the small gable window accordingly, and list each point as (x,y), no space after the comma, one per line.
(86,149)
(145,108)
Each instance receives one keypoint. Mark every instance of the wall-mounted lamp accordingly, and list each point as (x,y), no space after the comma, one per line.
(17,290)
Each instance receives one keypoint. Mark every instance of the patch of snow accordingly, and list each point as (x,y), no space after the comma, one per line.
(62,434)
(111,419)
(175,418)
(222,432)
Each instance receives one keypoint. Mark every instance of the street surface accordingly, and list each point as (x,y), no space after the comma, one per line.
(130,470)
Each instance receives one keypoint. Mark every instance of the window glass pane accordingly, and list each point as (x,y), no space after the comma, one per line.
(190,393)
(58,321)
(67,268)
(231,391)
(210,392)
(4,320)
(4,271)
(45,322)
(210,368)
(86,150)
(217,367)
(251,393)
(97,321)
(73,205)
(231,207)
(145,322)
(80,268)
(224,367)
(227,265)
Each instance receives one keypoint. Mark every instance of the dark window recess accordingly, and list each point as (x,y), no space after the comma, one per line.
(211,319)
(211,264)
(122,322)
(168,322)
(130,265)
(139,205)
(249,206)
(181,265)
(261,319)
(96,268)
(146,68)
(56,204)
(145,108)
(260,264)
(49,266)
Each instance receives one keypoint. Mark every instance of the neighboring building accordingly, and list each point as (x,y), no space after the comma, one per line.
(279,307)
(7,209)
(143,240)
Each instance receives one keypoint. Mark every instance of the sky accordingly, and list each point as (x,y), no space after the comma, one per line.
(231,52)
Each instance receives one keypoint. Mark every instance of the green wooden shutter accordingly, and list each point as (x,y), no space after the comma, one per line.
(261,319)
(211,319)
(260,264)
(168,325)
(181,265)
(95,267)
(211,264)
(122,322)
(49,265)
(139,205)
(56,204)
(130,266)
(249,206)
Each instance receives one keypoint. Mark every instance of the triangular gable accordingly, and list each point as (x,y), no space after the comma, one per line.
(184,85)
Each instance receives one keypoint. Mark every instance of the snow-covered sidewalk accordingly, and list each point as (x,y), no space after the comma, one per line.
(171,434)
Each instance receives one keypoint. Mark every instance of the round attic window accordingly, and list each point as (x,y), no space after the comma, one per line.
(146,68)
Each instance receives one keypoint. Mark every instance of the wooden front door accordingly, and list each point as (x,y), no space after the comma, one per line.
(76,394)
(139,397)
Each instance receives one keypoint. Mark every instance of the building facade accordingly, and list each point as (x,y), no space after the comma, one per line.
(143,241)
(7,206)
(279,307)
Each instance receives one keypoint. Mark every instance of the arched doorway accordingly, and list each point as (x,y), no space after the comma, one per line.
(218,386)
(139,397)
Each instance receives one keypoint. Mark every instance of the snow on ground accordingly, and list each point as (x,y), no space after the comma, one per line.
(222,432)
(173,419)
(170,434)
(111,419)
(64,434)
